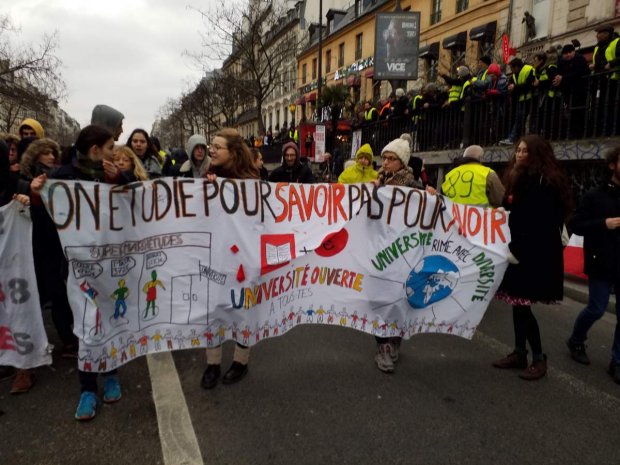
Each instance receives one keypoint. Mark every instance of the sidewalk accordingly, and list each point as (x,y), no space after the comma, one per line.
(577,290)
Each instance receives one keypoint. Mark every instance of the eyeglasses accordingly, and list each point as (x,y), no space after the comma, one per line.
(217,147)
(384,158)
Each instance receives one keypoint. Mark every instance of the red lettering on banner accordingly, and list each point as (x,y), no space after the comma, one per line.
(6,339)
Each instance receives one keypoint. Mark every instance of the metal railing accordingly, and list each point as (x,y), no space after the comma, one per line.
(591,111)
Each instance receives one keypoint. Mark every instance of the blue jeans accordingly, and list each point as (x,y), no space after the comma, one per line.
(598,298)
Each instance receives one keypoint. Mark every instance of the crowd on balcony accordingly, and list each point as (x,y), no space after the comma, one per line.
(556,95)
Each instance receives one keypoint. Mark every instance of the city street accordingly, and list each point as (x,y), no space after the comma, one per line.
(314,396)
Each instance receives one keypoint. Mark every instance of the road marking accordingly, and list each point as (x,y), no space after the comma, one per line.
(588,391)
(176,433)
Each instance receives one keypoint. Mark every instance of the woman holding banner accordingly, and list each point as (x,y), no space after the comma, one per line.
(230,158)
(393,172)
(539,200)
(89,160)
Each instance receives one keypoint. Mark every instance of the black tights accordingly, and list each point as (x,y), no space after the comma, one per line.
(526,329)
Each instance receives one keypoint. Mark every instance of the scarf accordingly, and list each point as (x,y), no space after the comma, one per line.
(89,169)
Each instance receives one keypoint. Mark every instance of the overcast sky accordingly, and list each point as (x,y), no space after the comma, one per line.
(124,53)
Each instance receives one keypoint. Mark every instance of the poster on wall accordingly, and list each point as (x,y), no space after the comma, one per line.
(397,38)
(319,143)
(175,264)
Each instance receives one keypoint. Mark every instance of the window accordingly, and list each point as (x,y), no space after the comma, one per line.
(303,73)
(431,70)
(341,55)
(358,46)
(436,12)
(328,61)
(314,61)
(330,25)
(461,5)
(358,8)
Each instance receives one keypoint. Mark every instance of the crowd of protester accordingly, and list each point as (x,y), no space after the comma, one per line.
(534,189)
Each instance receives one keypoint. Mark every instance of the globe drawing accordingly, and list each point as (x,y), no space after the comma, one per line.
(431,280)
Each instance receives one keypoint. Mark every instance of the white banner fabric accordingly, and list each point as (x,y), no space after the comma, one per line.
(173,264)
(23,342)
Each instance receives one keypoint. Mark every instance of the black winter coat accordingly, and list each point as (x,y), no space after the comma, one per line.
(535,221)
(601,246)
(300,172)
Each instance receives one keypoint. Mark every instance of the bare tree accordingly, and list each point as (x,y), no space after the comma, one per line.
(29,69)
(255,41)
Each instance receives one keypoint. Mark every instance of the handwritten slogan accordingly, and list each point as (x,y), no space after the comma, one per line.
(23,342)
(183,263)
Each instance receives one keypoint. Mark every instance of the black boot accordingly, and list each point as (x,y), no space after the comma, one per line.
(235,373)
(210,377)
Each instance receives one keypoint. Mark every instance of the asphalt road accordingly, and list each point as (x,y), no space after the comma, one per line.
(314,396)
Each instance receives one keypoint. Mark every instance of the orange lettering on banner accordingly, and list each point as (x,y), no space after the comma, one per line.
(307,202)
(470,222)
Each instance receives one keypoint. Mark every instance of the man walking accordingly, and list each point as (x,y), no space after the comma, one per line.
(598,220)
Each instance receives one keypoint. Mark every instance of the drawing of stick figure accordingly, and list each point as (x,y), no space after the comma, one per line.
(91,292)
(180,340)
(168,336)
(256,333)
(246,333)
(194,339)
(120,294)
(266,329)
(393,327)
(291,317)
(113,354)
(320,312)
(88,361)
(150,289)
(123,351)
(132,346)
(103,360)
(157,338)
(364,321)
(221,332)
(310,315)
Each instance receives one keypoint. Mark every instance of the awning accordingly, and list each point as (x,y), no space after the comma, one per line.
(369,74)
(457,41)
(354,81)
(430,52)
(311,97)
(300,101)
(486,32)
(343,125)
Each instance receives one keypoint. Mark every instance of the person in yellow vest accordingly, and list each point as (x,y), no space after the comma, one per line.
(371,114)
(293,134)
(472,183)
(362,170)
(456,85)
(521,89)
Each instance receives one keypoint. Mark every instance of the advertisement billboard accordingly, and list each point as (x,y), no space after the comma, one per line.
(397,39)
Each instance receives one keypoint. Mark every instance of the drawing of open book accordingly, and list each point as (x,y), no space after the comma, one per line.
(276,251)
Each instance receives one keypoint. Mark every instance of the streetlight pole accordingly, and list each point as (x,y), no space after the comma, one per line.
(320,64)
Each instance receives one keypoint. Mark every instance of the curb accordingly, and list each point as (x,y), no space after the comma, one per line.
(578,290)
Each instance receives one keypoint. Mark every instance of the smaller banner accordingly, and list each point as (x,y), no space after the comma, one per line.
(23,342)
(319,144)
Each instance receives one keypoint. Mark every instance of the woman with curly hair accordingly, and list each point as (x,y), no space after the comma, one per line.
(140,142)
(538,198)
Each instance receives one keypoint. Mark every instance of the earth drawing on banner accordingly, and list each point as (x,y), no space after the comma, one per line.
(431,280)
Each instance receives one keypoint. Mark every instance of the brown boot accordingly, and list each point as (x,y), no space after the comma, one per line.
(24,379)
(512,360)
(535,371)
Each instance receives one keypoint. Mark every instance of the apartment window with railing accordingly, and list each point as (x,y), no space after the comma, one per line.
(328,61)
(358,46)
(341,55)
(461,5)
(436,12)
(304,70)
(314,62)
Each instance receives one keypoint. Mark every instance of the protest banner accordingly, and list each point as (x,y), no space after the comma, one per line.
(183,263)
(23,342)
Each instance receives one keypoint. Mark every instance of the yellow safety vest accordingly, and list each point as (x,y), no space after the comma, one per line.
(544,76)
(455,93)
(368,114)
(522,78)
(610,55)
(415,104)
(467,184)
